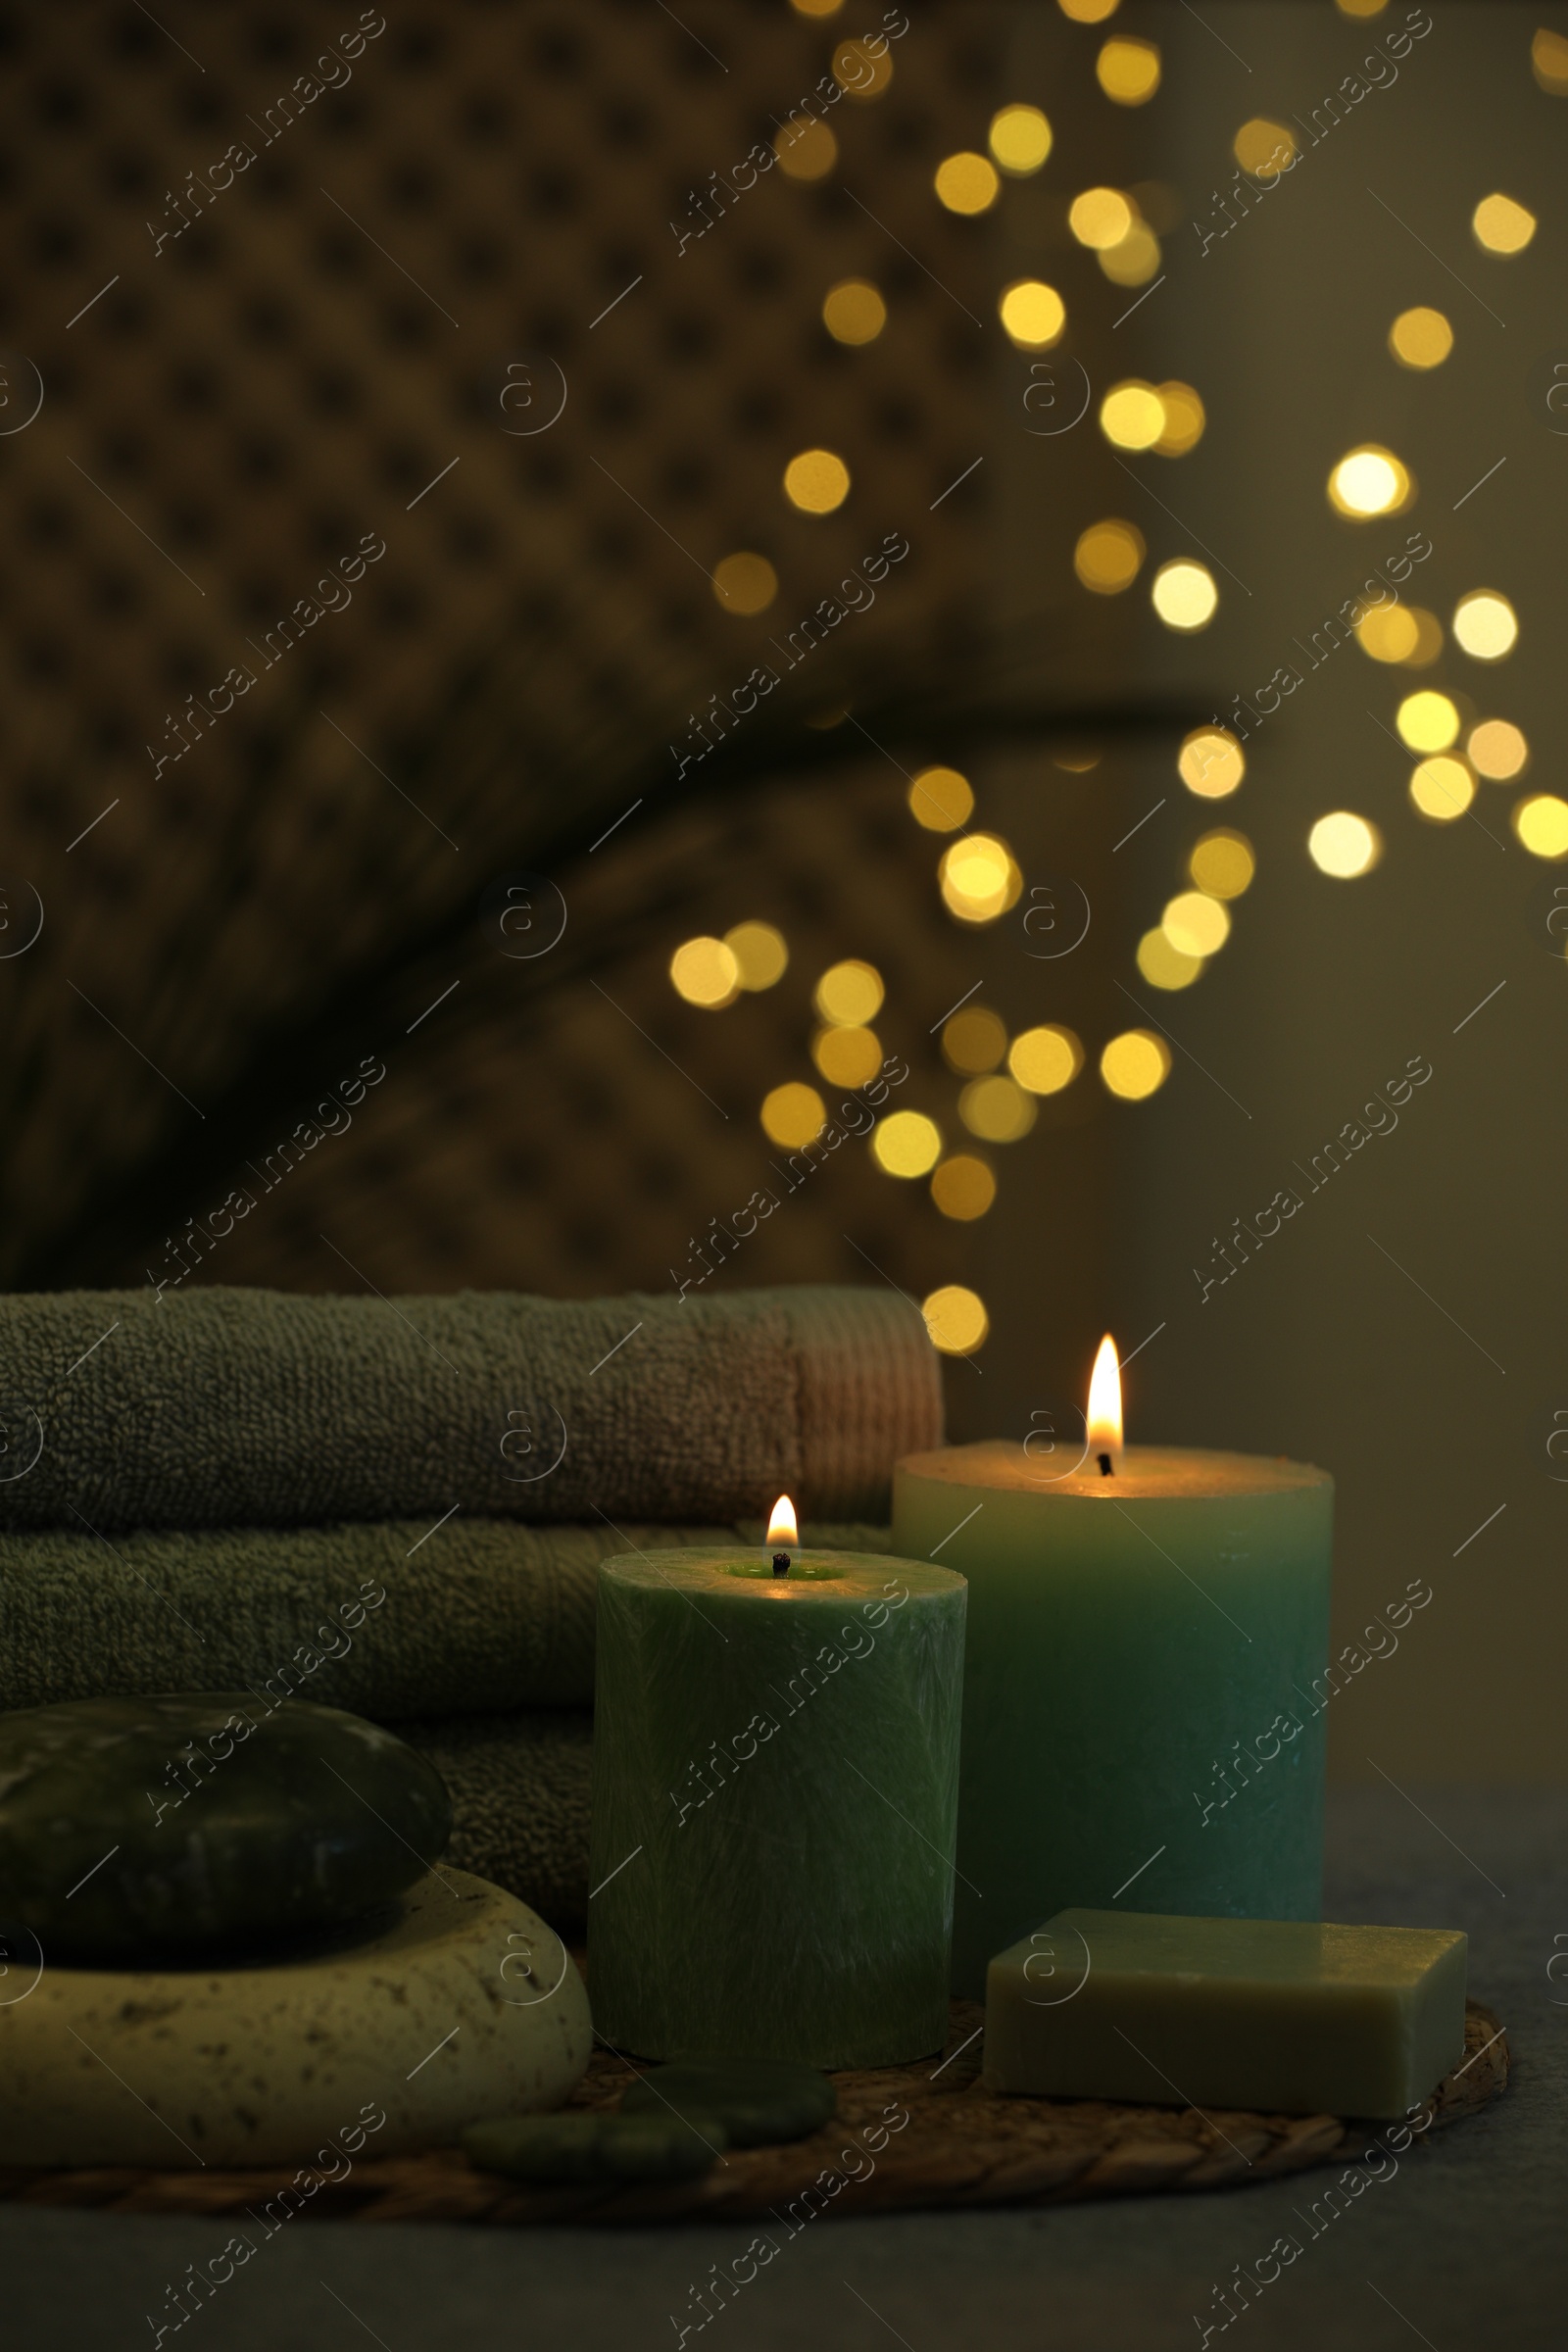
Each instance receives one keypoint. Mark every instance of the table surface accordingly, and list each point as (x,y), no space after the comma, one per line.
(1463,2249)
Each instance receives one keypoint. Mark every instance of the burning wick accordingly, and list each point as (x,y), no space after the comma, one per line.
(1104,1407)
(1106,1471)
(781,1529)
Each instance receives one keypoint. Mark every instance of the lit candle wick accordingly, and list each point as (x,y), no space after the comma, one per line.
(782,1528)
(1105,1470)
(781,1563)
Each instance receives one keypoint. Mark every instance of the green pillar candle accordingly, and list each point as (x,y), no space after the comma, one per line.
(1139,1723)
(775,1804)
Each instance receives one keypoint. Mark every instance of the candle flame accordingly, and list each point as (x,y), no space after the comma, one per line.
(782,1532)
(1105,1400)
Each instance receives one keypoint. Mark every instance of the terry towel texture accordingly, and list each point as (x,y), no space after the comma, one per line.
(519,1787)
(266,1408)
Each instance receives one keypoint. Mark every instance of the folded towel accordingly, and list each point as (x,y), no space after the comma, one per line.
(387,1620)
(519,1788)
(264,1408)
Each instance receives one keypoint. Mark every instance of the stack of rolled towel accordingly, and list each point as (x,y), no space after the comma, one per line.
(398,1507)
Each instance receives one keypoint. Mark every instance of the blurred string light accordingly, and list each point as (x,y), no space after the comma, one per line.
(805,149)
(966,183)
(906,1143)
(1087,12)
(1502,225)
(862,73)
(744,583)
(1045,1058)
(1109,556)
(1184,595)
(1183,420)
(847,1056)
(1032,314)
(1362,8)
(1210,762)
(1498,750)
(941,800)
(1401,633)
(1163,965)
(760,954)
(1223,863)
(1196,924)
(979,878)
(1135,1065)
(1369,480)
(1484,625)
(1344,845)
(1542,825)
(1441,788)
(973,1041)
(706,971)
(1128,71)
(1264,149)
(1134,260)
(816,8)
(955,1318)
(997,1109)
(1132,415)
(1101,218)
(849,994)
(1421,338)
(817,481)
(854,312)
(963,1187)
(1548,62)
(1019,140)
(793,1116)
(1427,721)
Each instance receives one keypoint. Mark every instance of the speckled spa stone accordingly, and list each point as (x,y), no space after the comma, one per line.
(467,2005)
(211,1823)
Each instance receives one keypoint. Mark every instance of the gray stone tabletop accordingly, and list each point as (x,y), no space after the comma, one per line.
(1464,2248)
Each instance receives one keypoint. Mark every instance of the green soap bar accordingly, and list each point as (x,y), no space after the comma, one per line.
(579,2147)
(758,2100)
(1288,2015)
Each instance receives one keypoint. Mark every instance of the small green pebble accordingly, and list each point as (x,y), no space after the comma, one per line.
(661,2147)
(759,2101)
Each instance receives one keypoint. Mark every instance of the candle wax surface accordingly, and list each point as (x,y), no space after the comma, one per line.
(1163,1473)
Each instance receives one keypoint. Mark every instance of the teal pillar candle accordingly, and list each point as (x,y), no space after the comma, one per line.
(775,1804)
(1143,1683)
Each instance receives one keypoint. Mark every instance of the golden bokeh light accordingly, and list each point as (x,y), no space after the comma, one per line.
(1087,12)
(1134,260)
(848,995)
(1441,788)
(906,1143)
(1210,762)
(941,800)
(1344,845)
(847,1056)
(1548,62)
(1032,314)
(1360,8)
(975,1039)
(963,1187)
(805,149)
(1044,1060)
(860,71)
(816,8)
(1485,624)
(1542,825)
(1132,415)
(1223,863)
(793,1116)
(979,878)
(1019,139)
(966,183)
(817,481)
(1135,1065)
(1389,633)
(705,972)
(1185,595)
(1498,750)
(1128,71)
(1502,225)
(1369,480)
(760,953)
(997,1109)
(1421,338)
(854,312)
(1427,721)
(744,583)
(1194,924)
(1264,149)
(1428,638)
(1109,556)
(1101,218)
(956,1319)
(1185,421)
(1163,965)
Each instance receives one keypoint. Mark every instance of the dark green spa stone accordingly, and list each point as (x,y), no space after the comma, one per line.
(758,2100)
(179,1829)
(604,2149)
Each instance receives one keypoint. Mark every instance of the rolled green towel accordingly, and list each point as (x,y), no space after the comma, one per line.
(387,1620)
(519,1787)
(215,1407)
